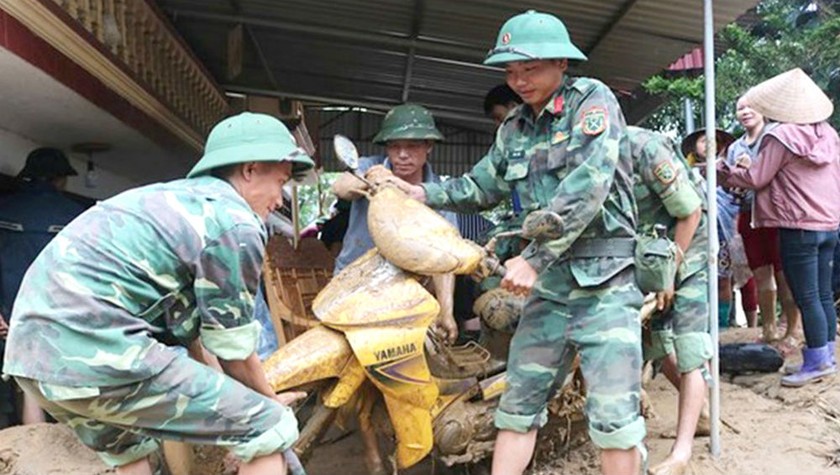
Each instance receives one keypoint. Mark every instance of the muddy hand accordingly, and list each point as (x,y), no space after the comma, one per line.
(289,398)
(447,328)
(665,299)
(520,277)
(743,161)
(378,175)
(350,187)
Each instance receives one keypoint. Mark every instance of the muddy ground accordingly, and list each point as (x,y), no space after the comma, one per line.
(767,430)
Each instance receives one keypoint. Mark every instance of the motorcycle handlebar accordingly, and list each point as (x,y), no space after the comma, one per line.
(492,266)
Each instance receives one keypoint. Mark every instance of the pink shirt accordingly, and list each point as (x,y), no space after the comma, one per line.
(796,176)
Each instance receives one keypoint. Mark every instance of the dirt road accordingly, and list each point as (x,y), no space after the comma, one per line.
(774,431)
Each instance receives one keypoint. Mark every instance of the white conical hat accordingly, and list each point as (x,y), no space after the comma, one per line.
(790,97)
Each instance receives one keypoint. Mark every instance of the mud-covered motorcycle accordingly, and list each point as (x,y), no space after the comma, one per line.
(374,344)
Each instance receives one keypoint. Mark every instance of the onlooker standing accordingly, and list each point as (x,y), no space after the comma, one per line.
(797,181)
(29,218)
(694,149)
(762,244)
(835,278)
(499,101)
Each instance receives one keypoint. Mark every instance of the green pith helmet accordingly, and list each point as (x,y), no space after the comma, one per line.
(250,137)
(533,35)
(408,121)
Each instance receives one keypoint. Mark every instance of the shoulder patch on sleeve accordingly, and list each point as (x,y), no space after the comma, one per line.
(594,121)
(665,173)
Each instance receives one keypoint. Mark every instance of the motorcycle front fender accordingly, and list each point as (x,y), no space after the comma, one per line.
(395,363)
(320,353)
(413,429)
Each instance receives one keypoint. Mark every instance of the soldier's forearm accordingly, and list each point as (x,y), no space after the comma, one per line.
(248,372)
(685,229)
(197,352)
(459,194)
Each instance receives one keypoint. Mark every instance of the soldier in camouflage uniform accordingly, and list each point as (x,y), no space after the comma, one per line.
(101,308)
(559,151)
(668,194)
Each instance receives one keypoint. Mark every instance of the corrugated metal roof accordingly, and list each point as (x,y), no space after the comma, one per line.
(690,62)
(361,51)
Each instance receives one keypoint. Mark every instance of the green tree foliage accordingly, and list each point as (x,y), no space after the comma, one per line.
(789,33)
(316,200)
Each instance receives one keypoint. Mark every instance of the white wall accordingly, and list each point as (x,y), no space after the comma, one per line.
(14,149)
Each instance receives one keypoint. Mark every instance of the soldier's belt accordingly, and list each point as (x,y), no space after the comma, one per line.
(615,247)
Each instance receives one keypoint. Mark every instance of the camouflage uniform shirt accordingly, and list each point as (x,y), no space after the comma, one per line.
(665,191)
(164,263)
(567,160)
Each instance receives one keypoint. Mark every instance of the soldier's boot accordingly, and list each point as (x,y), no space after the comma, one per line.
(815,366)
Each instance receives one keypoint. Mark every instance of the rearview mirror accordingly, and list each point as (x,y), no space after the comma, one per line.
(346,151)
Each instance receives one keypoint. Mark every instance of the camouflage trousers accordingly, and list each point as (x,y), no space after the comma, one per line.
(187,401)
(684,328)
(601,323)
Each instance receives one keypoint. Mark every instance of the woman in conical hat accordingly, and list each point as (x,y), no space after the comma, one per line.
(762,244)
(797,181)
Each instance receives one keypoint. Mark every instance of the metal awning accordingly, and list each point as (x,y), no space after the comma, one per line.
(379,53)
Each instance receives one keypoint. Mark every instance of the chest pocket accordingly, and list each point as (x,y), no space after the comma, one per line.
(517,169)
(516,176)
(560,147)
